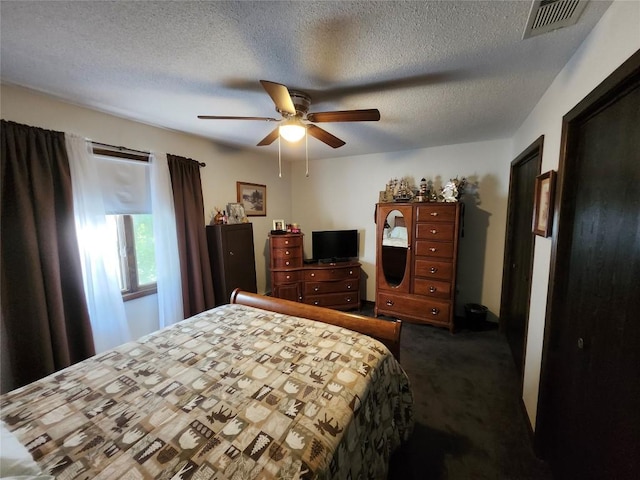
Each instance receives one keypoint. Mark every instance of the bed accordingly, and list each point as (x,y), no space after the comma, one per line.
(260,388)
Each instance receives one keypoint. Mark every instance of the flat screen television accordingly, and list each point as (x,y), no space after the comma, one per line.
(334,245)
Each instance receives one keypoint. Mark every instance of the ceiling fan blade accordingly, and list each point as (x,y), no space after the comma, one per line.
(224,117)
(370,115)
(324,136)
(280,96)
(269,139)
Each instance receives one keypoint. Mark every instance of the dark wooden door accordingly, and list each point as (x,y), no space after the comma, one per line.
(589,416)
(518,259)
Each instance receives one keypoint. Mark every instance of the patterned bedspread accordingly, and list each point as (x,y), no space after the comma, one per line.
(232,393)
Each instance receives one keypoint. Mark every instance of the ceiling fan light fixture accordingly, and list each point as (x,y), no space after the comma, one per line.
(292,131)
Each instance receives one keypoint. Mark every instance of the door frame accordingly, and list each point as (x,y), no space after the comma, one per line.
(604,94)
(532,151)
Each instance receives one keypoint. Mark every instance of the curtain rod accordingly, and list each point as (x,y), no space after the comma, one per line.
(138,153)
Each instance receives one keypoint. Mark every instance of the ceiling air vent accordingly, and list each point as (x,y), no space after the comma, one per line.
(548,15)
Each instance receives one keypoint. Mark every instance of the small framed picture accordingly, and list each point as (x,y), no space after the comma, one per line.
(253,198)
(236,213)
(543,205)
(279,225)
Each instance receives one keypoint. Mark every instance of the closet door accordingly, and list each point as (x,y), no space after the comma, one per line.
(518,258)
(589,414)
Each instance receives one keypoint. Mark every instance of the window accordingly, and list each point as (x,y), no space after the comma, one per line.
(124,180)
(133,238)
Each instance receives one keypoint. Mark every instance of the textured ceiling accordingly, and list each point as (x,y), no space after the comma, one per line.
(439,72)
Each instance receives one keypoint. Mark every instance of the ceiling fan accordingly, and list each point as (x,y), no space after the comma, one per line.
(293,105)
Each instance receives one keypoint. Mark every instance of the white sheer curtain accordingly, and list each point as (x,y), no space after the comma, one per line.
(98,257)
(170,307)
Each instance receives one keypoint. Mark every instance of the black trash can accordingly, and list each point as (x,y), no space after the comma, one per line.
(476,316)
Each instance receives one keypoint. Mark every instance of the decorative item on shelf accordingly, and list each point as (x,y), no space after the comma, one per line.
(423,193)
(387,194)
(453,190)
(236,213)
(279,226)
(402,192)
(295,228)
(216,219)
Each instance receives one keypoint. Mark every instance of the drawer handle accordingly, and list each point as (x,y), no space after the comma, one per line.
(433,269)
(434,214)
(435,311)
(286,242)
(316,302)
(434,231)
(316,289)
(433,249)
(287,263)
(288,277)
(348,299)
(389,303)
(286,252)
(349,287)
(313,274)
(350,272)
(432,289)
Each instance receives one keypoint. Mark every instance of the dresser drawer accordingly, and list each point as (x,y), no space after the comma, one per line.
(429,248)
(318,288)
(412,307)
(432,288)
(286,241)
(286,277)
(433,269)
(328,274)
(334,300)
(436,213)
(435,231)
(290,252)
(294,262)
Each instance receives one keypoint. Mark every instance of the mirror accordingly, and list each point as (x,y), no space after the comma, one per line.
(394,248)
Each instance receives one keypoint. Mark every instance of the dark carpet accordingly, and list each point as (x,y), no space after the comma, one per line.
(469,419)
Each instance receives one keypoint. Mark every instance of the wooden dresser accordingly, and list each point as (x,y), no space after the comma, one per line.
(417,282)
(331,285)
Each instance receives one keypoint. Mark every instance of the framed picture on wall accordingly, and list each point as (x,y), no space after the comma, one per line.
(253,198)
(543,205)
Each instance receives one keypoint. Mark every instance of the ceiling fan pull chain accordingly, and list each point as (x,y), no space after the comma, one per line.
(279,159)
(306,150)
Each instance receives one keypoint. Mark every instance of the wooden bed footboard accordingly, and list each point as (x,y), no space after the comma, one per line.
(386,331)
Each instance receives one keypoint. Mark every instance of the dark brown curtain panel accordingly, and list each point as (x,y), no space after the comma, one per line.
(45,321)
(197,283)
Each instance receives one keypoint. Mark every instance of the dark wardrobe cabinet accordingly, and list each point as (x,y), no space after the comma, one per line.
(232,258)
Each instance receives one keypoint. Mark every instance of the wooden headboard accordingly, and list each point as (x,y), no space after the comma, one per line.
(386,331)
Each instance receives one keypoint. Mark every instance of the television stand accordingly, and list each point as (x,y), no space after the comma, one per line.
(331,285)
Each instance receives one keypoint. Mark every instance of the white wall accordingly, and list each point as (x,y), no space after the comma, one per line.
(614,39)
(341,193)
(224,167)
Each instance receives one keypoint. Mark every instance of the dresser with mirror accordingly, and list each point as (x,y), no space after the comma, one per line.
(416,261)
